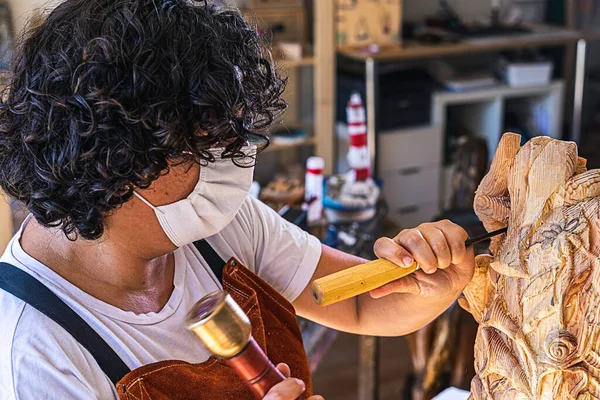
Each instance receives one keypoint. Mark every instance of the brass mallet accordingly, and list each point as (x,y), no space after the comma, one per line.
(224,328)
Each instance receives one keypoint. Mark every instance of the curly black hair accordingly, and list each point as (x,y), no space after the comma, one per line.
(105,94)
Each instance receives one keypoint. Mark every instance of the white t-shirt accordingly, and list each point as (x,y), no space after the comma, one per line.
(40,360)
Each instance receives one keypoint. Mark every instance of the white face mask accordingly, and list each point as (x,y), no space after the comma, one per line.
(216,199)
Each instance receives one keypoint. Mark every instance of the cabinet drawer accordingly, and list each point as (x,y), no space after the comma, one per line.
(284,26)
(409,148)
(413,215)
(265,4)
(413,185)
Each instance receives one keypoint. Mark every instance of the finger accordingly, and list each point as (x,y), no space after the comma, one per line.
(409,284)
(284,369)
(392,251)
(414,242)
(439,245)
(455,237)
(316,398)
(290,389)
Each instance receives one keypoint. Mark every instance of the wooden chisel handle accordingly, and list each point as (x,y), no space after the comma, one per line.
(366,277)
(357,280)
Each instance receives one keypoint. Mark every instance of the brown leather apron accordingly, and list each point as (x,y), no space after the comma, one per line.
(274,327)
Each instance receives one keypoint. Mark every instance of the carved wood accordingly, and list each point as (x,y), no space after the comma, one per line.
(537,300)
(470,163)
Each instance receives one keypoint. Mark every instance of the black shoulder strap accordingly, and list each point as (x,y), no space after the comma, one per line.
(24,286)
(215,262)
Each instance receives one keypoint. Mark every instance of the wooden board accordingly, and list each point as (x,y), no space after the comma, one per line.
(409,50)
(364,22)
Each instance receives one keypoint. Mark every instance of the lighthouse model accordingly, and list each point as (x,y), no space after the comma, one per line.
(352,196)
(358,154)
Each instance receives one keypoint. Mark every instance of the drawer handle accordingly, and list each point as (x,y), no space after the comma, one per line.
(409,171)
(408,210)
(279,28)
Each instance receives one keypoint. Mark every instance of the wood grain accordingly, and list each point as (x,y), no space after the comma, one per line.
(357,280)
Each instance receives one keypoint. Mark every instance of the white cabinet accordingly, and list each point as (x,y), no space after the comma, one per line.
(410,186)
(409,163)
(411,216)
(408,148)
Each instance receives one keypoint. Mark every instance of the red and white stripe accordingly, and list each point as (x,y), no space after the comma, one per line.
(358,154)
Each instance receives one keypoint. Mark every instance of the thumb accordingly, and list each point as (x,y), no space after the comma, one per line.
(408,284)
(284,369)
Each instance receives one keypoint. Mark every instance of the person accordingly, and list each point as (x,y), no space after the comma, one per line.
(130,130)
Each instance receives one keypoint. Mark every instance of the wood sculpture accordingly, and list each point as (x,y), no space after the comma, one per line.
(537,300)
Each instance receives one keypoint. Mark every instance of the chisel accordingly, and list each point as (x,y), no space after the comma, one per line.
(363,278)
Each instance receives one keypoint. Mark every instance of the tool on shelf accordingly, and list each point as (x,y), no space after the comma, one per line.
(363,278)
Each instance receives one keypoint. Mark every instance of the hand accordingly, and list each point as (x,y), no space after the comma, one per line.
(439,248)
(290,389)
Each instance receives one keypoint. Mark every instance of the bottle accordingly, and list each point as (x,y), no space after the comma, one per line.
(314,188)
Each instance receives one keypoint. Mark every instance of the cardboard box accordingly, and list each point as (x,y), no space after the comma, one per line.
(365,22)
(280,25)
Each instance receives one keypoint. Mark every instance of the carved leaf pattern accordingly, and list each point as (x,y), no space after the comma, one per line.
(539,333)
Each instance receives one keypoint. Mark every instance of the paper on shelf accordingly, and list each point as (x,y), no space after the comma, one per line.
(453,394)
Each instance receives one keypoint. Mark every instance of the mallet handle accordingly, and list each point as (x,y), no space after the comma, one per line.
(255,369)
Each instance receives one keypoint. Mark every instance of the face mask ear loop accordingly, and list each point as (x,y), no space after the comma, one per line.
(139,196)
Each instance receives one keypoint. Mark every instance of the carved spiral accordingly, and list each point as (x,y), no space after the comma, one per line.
(561,346)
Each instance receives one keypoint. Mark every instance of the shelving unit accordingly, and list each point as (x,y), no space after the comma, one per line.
(482,111)
(417,181)
(320,57)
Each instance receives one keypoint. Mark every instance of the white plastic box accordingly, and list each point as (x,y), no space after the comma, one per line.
(519,74)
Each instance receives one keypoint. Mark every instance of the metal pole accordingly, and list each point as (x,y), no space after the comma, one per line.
(578,91)
(368,382)
(371,101)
